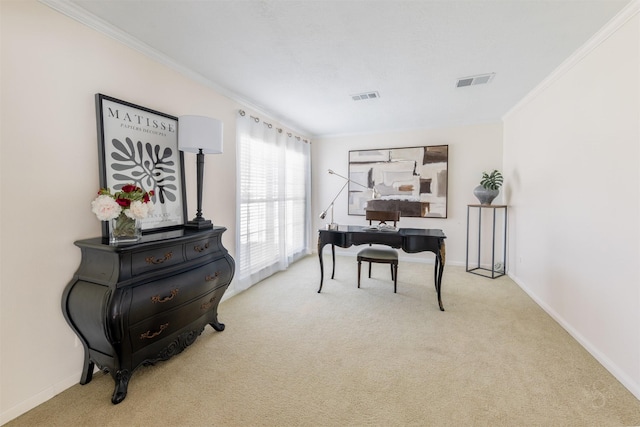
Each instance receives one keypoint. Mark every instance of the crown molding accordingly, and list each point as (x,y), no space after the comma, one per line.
(72,10)
(79,14)
(629,11)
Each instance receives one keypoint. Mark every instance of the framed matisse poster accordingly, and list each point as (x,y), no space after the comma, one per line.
(137,145)
(412,180)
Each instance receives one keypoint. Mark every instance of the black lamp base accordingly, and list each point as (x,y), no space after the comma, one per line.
(199,224)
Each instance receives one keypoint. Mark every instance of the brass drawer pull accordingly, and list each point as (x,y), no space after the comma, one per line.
(149,334)
(199,248)
(152,260)
(207,305)
(209,277)
(157,298)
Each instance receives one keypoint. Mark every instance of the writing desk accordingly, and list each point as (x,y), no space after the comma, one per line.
(410,240)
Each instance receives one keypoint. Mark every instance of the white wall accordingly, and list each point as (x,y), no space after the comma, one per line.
(51,67)
(472,150)
(571,159)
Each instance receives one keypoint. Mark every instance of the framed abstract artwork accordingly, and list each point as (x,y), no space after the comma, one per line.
(137,145)
(412,180)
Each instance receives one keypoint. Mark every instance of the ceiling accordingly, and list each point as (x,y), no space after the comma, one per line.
(300,61)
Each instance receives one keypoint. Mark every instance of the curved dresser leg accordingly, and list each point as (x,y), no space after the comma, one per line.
(122,384)
(217,325)
(87,370)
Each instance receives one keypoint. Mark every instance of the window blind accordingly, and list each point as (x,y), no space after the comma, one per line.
(273,200)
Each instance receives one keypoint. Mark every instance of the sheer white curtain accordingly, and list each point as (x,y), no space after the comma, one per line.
(274,177)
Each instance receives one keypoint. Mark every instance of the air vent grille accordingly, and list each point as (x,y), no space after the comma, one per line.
(365,95)
(475,80)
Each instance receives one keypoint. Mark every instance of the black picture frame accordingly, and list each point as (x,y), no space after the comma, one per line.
(139,145)
(412,180)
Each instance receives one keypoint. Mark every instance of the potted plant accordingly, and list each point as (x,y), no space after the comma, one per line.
(489,187)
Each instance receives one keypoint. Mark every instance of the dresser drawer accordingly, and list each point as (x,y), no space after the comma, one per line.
(202,247)
(145,261)
(163,326)
(156,297)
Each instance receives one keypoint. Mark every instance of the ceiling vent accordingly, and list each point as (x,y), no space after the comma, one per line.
(365,95)
(480,79)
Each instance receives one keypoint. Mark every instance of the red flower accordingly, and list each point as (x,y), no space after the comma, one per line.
(147,196)
(129,188)
(125,203)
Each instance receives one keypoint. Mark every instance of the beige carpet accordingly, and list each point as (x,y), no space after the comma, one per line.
(364,357)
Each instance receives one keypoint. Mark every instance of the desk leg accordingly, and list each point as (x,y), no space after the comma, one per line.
(320,247)
(333,260)
(437,272)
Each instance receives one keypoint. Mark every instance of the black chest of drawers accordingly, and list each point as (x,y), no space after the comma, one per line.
(138,304)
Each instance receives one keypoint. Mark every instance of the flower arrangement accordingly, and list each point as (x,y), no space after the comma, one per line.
(131,201)
(126,206)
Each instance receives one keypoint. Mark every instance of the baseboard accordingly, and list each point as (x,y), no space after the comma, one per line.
(39,398)
(607,363)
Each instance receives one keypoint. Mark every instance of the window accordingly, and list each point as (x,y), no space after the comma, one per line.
(273,200)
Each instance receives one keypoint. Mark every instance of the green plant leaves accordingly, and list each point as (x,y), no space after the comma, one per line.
(492,181)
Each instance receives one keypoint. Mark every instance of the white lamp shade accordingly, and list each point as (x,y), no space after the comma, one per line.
(197,133)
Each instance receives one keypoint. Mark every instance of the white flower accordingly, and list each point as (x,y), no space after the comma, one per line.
(138,209)
(105,208)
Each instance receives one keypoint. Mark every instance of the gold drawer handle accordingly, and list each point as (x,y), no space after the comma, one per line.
(209,277)
(152,260)
(198,248)
(207,305)
(157,298)
(149,334)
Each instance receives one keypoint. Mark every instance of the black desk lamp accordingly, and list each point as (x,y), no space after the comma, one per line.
(332,225)
(201,135)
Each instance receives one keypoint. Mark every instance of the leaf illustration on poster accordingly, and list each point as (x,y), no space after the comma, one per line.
(152,170)
(140,146)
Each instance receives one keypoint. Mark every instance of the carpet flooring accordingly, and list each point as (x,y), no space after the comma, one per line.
(364,357)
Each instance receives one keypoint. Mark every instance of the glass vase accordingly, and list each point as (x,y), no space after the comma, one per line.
(124,230)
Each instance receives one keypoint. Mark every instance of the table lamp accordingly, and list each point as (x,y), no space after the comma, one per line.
(201,135)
